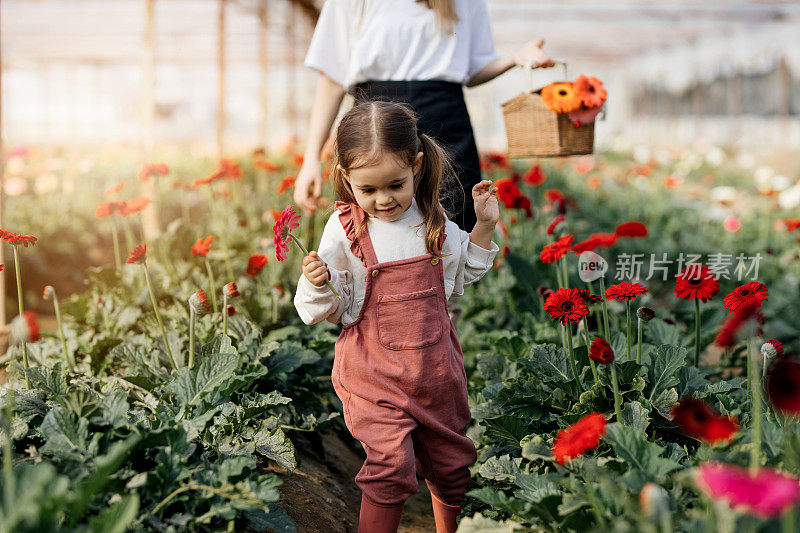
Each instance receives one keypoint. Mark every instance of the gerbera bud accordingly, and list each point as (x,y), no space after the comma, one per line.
(783,386)
(645,313)
(544,292)
(231,290)
(48,293)
(199,302)
(25,328)
(601,351)
(654,500)
(231,310)
(771,349)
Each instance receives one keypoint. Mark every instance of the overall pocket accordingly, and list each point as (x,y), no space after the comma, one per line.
(409,321)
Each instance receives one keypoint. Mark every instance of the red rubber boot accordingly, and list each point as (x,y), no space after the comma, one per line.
(379,518)
(445,515)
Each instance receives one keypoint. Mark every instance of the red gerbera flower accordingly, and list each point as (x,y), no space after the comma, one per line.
(696,282)
(152,169)
(230,169)
(231,310)
(589,298)
(783,386)
(138,255)
(202,246)
(17,238)
(115,189)
(700,420)
(534,176)
(512,198)
(631,229)
(566,305)
(255,263)
(578,438)
(625,291)
(551,228)
(133,206)
(729,333)
(601,351)
(753,291)
(554,195)
(288,221)
(285,184)
(595,240)
(104,209)
(556,250)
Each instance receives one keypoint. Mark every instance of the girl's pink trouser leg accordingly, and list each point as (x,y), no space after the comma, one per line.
(379,518)
(445,515)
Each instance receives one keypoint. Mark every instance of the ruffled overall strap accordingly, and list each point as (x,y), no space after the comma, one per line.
(351,217)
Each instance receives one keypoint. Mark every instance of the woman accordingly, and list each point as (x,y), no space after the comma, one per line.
(418,52)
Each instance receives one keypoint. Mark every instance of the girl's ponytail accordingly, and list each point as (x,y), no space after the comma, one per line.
(434,169)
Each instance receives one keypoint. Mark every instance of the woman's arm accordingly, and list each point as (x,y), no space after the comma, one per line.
(530,54)
(326,104)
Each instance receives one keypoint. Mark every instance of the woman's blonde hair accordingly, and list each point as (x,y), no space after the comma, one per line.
(372,130)
(445,11)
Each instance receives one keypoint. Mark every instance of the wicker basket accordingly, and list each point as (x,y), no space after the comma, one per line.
(533,130)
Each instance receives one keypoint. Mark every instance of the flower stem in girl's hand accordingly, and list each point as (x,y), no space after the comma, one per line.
(287,221)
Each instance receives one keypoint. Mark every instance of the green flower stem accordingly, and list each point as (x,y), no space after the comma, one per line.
(21,312)
(605,307)
(568,330)
(228,267)
(755,407)
(224,311)
(192,320)
(158,316)
(105,317)
(617,398)
(305,252)
(595,505)
(115,238)
(697,333)
(588,347)
(213,290)
(628,326)
(129,239)
(565,270)
(212,490)
(8,453)
(639,338)
(596,310)
(61,330)
(787,521)
(559,276)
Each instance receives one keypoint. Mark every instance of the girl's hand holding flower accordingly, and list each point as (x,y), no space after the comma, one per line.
(315,269)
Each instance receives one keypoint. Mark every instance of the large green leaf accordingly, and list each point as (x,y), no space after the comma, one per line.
(663,367)
(116,518)
(287,358)
(51,380)
(480,524)
(191,384)
(548,361)
(643,457)
(64,432)
(503,468)
(277,446)
(494,367)
(635,416)
(506,430)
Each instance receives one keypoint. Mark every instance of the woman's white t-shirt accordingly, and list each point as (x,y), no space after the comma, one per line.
(399,40)
(463,263)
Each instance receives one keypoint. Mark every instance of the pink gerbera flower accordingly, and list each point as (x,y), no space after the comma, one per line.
(766,494)
(283,227)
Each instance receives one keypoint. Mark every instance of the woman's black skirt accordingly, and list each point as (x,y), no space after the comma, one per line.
(442,115)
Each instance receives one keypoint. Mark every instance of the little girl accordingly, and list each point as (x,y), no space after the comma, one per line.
(395,259)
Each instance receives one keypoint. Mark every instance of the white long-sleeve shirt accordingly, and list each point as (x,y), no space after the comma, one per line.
(463,262)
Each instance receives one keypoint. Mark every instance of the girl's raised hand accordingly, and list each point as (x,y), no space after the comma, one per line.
(484,195)
(531,54)
(315,269)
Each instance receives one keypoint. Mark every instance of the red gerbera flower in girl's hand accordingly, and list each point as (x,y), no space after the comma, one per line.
(566,305)
(700,420)
(255,263)
(556,250)
(696,282)
(625,291)
(578,438)
(283,227)
(138,255)
(753,291)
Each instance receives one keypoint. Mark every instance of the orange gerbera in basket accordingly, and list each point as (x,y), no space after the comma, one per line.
(591,91)
(561,97)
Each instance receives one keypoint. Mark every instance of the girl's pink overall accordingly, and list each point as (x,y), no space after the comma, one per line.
(399,372)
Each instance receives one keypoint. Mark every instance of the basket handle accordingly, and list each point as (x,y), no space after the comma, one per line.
(530,69)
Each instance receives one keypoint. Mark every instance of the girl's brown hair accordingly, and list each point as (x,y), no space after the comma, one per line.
(445,12)
(372,130)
